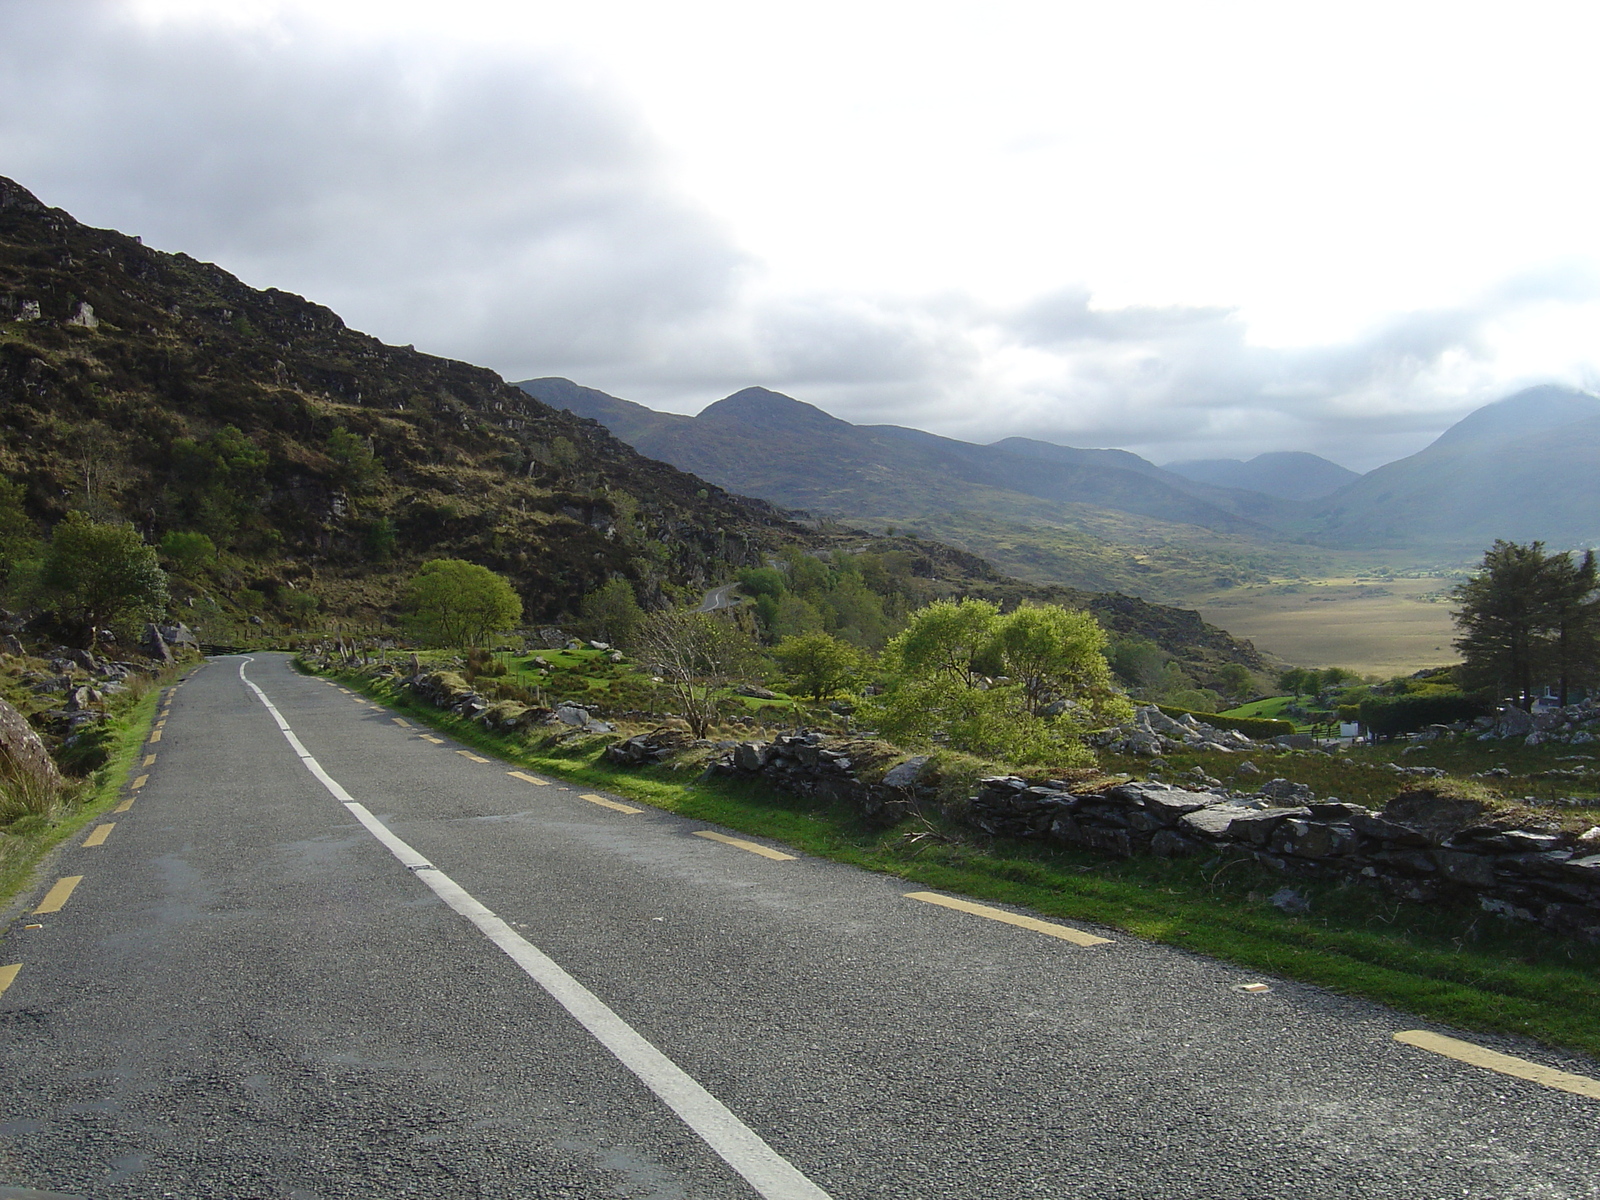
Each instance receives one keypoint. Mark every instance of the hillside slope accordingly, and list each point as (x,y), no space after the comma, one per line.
(1522,468)
(1286,474)
(122,369)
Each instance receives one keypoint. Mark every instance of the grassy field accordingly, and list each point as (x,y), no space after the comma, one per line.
(1382,627)
(1453,965)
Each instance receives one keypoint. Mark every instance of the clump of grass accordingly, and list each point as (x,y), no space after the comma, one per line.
(23,794)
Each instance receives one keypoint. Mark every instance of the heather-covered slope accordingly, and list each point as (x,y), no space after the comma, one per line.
(121,369)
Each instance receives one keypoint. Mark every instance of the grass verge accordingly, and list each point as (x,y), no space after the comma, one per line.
(24,843)
(1459,967)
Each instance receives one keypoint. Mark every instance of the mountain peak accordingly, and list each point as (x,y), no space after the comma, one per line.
(1531,410)
(763,409)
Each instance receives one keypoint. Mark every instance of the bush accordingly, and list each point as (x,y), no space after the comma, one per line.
(1256,727)
(1386,716)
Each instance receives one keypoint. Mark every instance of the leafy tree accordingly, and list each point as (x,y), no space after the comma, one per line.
(188,551)
(940,683)
(301,606)
(612,612)
(97,574)
(695,654)
(1235,680)
(455,603)
(217,483)
(1526,618)
(761,581)
(356,467)
(17,537)
(1295,681)
(1139,662)
(1051,651)
(820,664)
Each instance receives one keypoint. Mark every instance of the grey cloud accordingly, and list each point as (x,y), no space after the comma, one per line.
(495,210)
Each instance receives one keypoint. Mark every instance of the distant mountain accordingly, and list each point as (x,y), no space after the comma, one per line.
(1287,474)
(762,443)
(1522,468)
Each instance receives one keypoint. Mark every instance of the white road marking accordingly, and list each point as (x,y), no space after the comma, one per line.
(772,1175)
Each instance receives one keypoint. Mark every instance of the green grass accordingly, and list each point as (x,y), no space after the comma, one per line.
(1458,967)
(24,843)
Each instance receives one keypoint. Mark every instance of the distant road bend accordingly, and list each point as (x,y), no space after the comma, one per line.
(321,951)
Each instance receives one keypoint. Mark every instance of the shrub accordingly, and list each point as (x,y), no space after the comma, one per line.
(1385,716)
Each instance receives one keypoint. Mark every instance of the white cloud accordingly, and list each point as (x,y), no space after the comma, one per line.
(861,229)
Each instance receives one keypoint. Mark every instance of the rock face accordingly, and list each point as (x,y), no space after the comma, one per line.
(22,751)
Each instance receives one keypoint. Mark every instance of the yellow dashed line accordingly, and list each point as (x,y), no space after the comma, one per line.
(1049,928)
(752,847)
(140,782)
(471,755)
(402,722)
(1520,1068)
(149,760)
(155,737)
(8,976)
(160,724)
(527,778)
(604,803)
(56,897)
(428,738)
(100,834)
(124,806)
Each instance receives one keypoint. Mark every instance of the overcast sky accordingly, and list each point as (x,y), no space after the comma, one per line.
(1190,230)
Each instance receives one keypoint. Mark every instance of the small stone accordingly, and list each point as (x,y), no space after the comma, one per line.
(1289,901)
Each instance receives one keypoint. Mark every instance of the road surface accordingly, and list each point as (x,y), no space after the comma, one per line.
(719,597)
(343,957)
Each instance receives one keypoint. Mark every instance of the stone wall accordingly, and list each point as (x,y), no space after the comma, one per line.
(1425,845)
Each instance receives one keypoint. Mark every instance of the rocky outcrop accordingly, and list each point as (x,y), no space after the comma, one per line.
(22,753)
(1574,725)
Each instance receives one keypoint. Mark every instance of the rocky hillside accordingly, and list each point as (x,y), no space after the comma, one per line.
(1287,474)
(161,389)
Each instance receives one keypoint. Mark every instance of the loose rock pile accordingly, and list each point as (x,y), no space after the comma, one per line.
(836,769)
(1575,725)
(1152,732)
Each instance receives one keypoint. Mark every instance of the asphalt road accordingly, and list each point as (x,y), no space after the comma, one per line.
(249,994)
(719,597)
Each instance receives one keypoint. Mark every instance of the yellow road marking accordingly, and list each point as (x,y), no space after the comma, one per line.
(155,737)
(8,976)
(753,847)
(436,741)
(471,755)
(140,782)
(604,803)
(124,806)
(100,834)
(56,897)
(346,691)
(402,722)
(1521,1068)
(149,760)
(527,778)
(1049,928)
(160,724)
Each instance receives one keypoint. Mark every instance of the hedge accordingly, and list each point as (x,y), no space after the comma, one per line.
(1256,727)
(1385,716)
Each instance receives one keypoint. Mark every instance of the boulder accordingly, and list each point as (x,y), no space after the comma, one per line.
(22,750)
(1436,818)
(12,645)
(908,773)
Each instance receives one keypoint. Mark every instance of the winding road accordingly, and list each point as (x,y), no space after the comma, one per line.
(321,951)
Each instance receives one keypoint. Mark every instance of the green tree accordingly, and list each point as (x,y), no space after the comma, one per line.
(1139,662)
(355,467)
(819,664)
(1295,681)
(456,603)
(696,655)
(188,551)
(1235,680)
(1053,652)
(17,537)
(217,483)
(940,685)
(1528,618)
(97,574)
(612,613)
